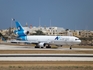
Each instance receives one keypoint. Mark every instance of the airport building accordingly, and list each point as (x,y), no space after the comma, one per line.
(46,30)
(49,31)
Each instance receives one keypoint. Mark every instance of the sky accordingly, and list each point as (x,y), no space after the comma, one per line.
(69,14)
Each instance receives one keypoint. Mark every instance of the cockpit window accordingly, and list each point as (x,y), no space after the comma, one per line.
(76,39)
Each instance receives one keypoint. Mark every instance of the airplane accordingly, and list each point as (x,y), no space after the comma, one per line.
(42,41)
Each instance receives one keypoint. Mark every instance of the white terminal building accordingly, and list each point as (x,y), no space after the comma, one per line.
(48,30)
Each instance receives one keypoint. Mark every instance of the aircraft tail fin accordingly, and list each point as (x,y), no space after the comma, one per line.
(19,26)
(20,30)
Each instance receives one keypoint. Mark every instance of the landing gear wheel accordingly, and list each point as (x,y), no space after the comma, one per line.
(37,47)
(42,47)
(70,47)
(48,46)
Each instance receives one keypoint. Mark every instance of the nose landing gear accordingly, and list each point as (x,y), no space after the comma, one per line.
(71,47)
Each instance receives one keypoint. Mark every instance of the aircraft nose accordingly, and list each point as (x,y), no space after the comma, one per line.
(79,41)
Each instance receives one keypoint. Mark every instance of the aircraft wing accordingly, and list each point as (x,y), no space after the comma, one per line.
(21,41)
(32,41)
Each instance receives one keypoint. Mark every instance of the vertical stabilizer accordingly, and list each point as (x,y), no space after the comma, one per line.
(19,27)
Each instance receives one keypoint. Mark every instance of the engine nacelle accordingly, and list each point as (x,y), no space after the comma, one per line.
(22,33)
(41,44)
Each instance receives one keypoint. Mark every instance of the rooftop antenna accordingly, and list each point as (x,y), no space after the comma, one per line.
(75,27)
(12,19)
(50,23)
(26,24)
(86,28)
(39,22)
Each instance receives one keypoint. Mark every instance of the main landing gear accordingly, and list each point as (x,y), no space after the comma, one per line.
(71,47)
(37,46)
(48,46)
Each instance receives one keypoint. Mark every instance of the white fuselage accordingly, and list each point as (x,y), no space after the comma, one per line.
(56,40)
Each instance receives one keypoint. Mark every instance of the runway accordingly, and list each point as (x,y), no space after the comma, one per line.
(46,57)
(11,47)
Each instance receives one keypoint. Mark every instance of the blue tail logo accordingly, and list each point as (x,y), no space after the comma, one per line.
(19,27)
(20,31)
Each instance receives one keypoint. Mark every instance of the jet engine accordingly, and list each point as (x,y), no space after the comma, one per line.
(22,33)
(41,44)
